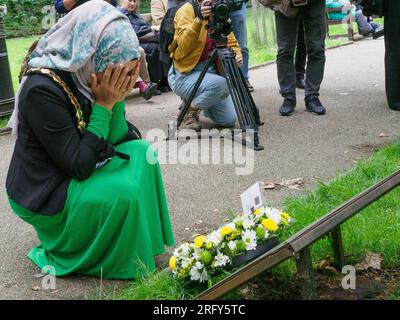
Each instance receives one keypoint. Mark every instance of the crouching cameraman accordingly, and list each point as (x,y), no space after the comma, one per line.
(190,50)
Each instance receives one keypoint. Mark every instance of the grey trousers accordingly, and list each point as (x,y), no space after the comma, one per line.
(313,16)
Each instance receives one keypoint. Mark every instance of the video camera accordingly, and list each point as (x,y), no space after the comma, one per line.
(220,23)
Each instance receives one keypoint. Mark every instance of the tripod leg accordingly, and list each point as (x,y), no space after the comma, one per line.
(186,103)
(242,100)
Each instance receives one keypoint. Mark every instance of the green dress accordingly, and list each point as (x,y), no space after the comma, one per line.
(114,222)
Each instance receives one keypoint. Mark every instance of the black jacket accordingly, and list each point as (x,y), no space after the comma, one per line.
(50,150)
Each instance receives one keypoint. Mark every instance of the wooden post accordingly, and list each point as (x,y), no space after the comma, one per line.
(256,35)
(337,245)
(306,275)
(264,25)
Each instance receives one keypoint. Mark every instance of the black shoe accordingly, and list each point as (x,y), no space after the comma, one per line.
(287,107)
(315,106)
(157,93)
(151,89)
(378,32)
(164,87)
(249,86)
(300,83)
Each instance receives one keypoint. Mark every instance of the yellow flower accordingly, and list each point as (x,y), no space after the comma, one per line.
(172,262)
(199,241)
(225,231)
(270,224)
(285,216)
(257,212)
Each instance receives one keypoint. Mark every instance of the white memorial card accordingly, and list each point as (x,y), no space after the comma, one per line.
(251,198)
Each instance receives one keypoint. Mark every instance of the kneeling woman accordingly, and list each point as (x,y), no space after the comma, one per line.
(78,176)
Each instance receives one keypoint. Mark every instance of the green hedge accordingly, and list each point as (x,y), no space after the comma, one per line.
(24,17)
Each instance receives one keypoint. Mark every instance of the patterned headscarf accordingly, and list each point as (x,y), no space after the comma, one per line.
(83,42)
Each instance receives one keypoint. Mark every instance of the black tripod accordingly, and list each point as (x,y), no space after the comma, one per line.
(246,110)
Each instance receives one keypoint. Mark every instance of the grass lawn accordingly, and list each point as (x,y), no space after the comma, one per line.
(375,229)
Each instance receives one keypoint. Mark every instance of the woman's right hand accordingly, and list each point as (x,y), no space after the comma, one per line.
(112,86)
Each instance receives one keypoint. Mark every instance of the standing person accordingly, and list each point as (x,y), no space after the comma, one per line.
(77,174)
(239,28)
(301,57)
(313,15)
(391,11)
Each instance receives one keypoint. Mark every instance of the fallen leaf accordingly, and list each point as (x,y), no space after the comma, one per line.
(39,275)
(55,291)
(245,291)
(370,260)
(294,183)
(269,186)
(383,135)
(36,288)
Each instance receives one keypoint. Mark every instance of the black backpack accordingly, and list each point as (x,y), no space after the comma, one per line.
(167,30)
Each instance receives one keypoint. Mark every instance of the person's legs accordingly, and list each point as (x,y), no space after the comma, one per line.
(392,55)
(364,27)
(286,30)
(153,61)
(301,56)
(315,34)
(211,96)
(239,28)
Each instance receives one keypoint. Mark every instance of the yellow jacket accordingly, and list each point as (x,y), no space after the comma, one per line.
(190,39)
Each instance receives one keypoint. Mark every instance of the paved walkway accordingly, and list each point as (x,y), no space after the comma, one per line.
(303,145)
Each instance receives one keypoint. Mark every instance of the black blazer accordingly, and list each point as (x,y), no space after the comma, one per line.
(50,150)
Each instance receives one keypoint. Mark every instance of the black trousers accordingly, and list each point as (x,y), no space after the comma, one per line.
(157,71)
(301,52)
(392,56)
(313,16)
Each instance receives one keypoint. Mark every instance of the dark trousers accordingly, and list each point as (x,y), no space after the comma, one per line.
(392,55)
(157,71)
(315,33)
(301,52)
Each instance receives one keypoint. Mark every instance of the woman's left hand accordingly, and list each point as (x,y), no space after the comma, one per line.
(129,82)
(239,60)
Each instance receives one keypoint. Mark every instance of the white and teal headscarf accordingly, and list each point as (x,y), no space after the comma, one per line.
(83,42)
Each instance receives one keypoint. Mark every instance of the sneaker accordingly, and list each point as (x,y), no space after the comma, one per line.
(249,86)
(151,89)
(164,89)
(300,83)
(378,32)
(315,106)
(191,120)
(287,107)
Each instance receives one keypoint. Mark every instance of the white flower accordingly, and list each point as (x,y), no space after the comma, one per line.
(274,214)
(232,245)
(250,239)
(184,249)
(185,262)
(231,225)
(198,272)
(266,233)
(215,238)
(197,254)
(248,222)
(221,260)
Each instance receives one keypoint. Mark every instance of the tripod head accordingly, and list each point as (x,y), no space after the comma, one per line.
(220,22)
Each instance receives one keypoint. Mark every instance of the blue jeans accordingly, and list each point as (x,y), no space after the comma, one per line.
(212,96)
(239,28)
